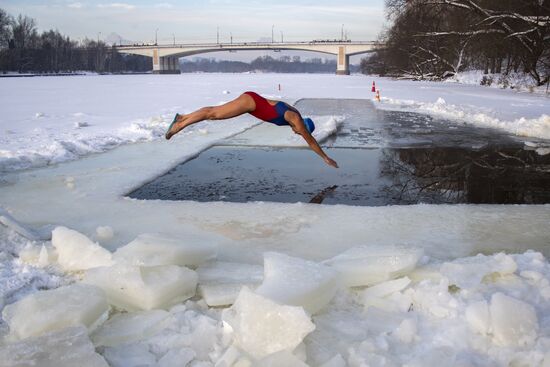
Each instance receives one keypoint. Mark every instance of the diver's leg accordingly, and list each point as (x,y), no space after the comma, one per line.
(241,105)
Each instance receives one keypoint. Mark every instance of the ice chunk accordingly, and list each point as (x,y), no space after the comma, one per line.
(34,235)
(203,335)
(227,272)
(470,271)
(336,361)
(382,321)
(426,272)
(40,312)
(297,282)
(125,328)
(262,327)
(155,249)
(368,265)
(283,358)
(406,331)
(513,322)
(176,357)
(223,294)
(385,295)
(77,252)
(62,348)
(435,356)
(40,256)
(477,316)
(104,232)
(386,288)
(229,357)
(144,287)
(220,282)
(130,355)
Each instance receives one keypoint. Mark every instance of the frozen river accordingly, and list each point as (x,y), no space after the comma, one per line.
(329,285)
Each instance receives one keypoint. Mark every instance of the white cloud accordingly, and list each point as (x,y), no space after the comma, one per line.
(164,6)
(75,5)
(117,6)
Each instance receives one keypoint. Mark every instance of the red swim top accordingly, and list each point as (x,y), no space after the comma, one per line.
(267,112)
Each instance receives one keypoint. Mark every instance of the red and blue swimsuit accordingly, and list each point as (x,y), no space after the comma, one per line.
(270,113)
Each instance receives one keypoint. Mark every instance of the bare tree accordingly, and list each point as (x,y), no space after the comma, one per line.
(6,23)
(24,32)
(437,38)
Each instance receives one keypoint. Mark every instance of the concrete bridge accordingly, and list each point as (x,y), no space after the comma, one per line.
(165,57)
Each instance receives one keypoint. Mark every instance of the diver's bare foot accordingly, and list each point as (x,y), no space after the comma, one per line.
(174,129)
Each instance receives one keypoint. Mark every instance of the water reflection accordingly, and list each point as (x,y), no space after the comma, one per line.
(495,175)
(372,177)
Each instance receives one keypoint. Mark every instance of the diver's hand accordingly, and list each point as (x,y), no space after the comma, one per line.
(331,162)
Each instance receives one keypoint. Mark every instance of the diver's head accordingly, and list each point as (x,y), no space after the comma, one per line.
(310,126)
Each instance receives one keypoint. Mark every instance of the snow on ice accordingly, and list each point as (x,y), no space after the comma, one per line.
(400,289)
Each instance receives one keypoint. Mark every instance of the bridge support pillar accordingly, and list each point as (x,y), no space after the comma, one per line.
(342,66)
(164,65)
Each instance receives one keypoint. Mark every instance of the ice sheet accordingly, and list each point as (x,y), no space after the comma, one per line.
(88,193)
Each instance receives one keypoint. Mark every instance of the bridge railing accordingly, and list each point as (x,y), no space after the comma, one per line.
(241,44)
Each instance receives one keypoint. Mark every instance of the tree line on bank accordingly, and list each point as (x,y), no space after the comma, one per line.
(434,39)
(283,64)
(24,49)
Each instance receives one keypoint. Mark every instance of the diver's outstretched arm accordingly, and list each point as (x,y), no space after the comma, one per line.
(298,126)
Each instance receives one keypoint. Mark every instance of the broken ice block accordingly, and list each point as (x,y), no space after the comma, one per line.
(220,282)
(386,288)
(406,331)
(176,357)
(44,311)
(470,271)
(144,287)
(282,358)
(61,348)
(125,328)
(130,355)
(104,232)
(262,327)
(368,265)
(514,322)
(297,282)
(155,249)
(228,272)
(336,361)
(77,252)
(379,295)
(40,256)
(477,316)
(223,294)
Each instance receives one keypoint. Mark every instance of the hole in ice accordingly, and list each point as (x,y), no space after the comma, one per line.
(385,158)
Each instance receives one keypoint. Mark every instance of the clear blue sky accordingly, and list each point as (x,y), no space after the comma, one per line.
(137,20)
